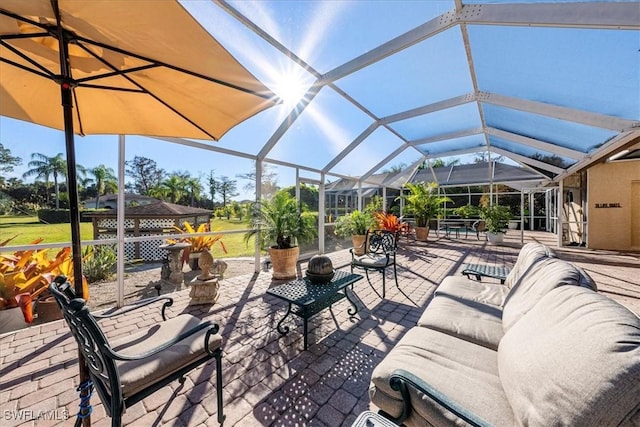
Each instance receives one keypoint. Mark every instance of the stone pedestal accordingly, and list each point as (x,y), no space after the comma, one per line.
(175,261)
(204,291)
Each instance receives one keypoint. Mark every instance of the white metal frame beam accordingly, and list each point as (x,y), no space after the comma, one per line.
(523,159)
(600,15)
(563,113)
(445,136)
(536,143)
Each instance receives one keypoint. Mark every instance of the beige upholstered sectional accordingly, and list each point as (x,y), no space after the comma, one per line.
(543,349)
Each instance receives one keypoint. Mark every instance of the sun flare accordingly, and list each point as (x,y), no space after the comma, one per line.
(290,87)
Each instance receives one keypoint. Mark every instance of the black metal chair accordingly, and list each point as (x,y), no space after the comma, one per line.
(126,370)
(380,248)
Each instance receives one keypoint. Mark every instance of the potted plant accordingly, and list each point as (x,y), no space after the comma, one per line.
(281,224)
(424,202)
(355,224)
(496,218)
(24,279)
(198,243)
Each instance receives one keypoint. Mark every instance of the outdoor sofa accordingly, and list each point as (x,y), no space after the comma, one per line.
(543,349)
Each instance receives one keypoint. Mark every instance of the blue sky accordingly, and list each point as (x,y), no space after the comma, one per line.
(325,34)
(584,69)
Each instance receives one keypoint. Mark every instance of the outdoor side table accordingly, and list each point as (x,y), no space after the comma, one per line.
(371,419)
(306,299)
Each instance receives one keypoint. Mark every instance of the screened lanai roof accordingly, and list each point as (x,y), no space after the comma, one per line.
(552,87)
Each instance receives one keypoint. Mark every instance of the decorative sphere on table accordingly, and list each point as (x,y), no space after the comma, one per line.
(320,269)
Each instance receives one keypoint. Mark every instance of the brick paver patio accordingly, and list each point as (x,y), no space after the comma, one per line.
(268,379)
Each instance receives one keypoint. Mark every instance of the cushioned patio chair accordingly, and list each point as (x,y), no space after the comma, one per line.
(380,253)
(479,227)
(126,370)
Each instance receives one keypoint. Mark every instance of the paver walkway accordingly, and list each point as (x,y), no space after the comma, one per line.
(268,379)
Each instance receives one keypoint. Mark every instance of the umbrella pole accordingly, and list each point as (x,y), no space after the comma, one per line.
(66,87)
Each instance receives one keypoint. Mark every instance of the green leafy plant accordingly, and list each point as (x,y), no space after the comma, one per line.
(424,202)
(496,218)
(99,262)
(280,222)
(354,223)
(467,211)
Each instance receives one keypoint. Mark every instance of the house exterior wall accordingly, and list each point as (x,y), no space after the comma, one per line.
(613,206)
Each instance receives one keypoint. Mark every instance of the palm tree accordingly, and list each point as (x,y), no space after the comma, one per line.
(43,167)
(176,186)
(104,177)
(193,187)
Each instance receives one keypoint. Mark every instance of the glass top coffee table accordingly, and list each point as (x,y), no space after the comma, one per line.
(307,299)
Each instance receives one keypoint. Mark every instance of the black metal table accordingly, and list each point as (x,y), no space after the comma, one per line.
(307,299)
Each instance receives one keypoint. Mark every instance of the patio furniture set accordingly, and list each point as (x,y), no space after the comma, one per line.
(543,349)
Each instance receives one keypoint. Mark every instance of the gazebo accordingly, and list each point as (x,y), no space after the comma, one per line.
(154,219)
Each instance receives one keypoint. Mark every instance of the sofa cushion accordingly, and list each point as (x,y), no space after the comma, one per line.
(573,359)
(461,287)
(463,371)
(528,255)
(538,280)
(469,320)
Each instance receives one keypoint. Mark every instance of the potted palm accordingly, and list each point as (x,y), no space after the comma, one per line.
(281,224)
(355,224)
(496,218)
(424,202)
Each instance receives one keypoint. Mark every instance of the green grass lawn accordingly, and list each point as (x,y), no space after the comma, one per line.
(27,229)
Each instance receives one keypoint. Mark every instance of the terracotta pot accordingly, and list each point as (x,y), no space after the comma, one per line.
(284,263)
(422,233)
(48,310)
(358,243)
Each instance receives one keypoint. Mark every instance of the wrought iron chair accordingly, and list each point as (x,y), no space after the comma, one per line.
(126,370)
(380,248)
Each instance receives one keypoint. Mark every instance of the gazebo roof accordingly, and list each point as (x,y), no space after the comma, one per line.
(154,210)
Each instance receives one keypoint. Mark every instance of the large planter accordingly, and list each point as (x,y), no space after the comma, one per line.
(422,233)
(495,238)
(358,243)
(284,263)
(11,319)
(48,310)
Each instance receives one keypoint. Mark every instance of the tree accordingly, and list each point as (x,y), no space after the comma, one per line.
(227,190)
(7,161)
(145,173)
(395,168)
(269,180)
(43,167)
(308,195)
(193,188)
(104,178)
(484,158)
(439,163)
(176,185)
(213,186)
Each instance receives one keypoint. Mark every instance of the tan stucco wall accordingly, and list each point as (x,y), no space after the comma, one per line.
(613,228)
